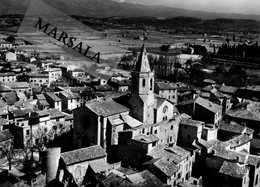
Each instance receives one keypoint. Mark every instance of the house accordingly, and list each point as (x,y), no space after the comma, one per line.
(80,163)
(249,92)
(39,79)
(166,91)
(90,122)
(229,167)
(69,100)
(53,100)
(129,177)
(171,164)
(229,90)
(121,86)
(203,110)
(5,45)
(7,77)
(228,130)
(245,117)
(19,86)
(54,74)
(77,73)
(221,99)
(10,56)
(42,102)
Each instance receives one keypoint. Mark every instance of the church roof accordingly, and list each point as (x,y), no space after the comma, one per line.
(142,64)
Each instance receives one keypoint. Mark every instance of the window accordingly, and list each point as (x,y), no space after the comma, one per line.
(153,144)
(171,127)
(155,132)
(129,141)
(170,138)
(179,175)
(165,109)
(27,132)
(143,82)
(151,84)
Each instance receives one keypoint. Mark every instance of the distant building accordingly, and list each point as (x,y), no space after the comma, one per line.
(9,56)
(7,77)
(166,91)
(203,110)
(53,100)
(69,100)
(77,73)
(39,79)
(54,74)
(170,164)
(19,86)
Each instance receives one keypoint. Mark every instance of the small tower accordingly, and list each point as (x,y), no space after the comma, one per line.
(142,100)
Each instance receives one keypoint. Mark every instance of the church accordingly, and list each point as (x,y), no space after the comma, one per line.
(98,123)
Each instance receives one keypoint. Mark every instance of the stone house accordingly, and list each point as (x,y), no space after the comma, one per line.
(166,91)
(69,100)
(8,77)
(171,164)
(81,163)
(53,100)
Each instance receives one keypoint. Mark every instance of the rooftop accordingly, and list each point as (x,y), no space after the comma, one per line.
(164,86)
(208,105)
(191,122)
(231,127)
(83,154)
(107,108)
(17,85)
(69,95)
(40,97)
(146,138)
(228,89)
(233,169)
(7,74)
(142,63)
(5,135)
(175,153)
(243,114)
(166,166)
(53,96)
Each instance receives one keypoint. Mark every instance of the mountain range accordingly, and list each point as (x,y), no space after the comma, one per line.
(120,8)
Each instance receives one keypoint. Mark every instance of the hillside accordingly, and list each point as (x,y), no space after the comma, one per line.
(108,8)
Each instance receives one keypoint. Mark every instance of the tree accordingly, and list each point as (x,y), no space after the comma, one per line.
(10,39)
(7,151)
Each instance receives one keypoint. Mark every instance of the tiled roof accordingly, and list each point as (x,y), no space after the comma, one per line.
(55,113)
(53,96)
(231,127)
(233,169)
(107,108)
(7,74)
(39,75)
(10,98)
(21,113)
(208,105)
(44,103)
(99,166)
(40,97)
(243,114)
(83,154)
(228,89)
(166,166)
(69,95)
(17,85)
(239,140)
(160,101)
(165,86)
(146,138)
(4,88)
(175,153)
(5,135)
(207,88)
(104,87)
(191,122)
(132,122)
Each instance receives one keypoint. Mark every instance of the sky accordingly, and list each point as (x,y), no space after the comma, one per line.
(225,6)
